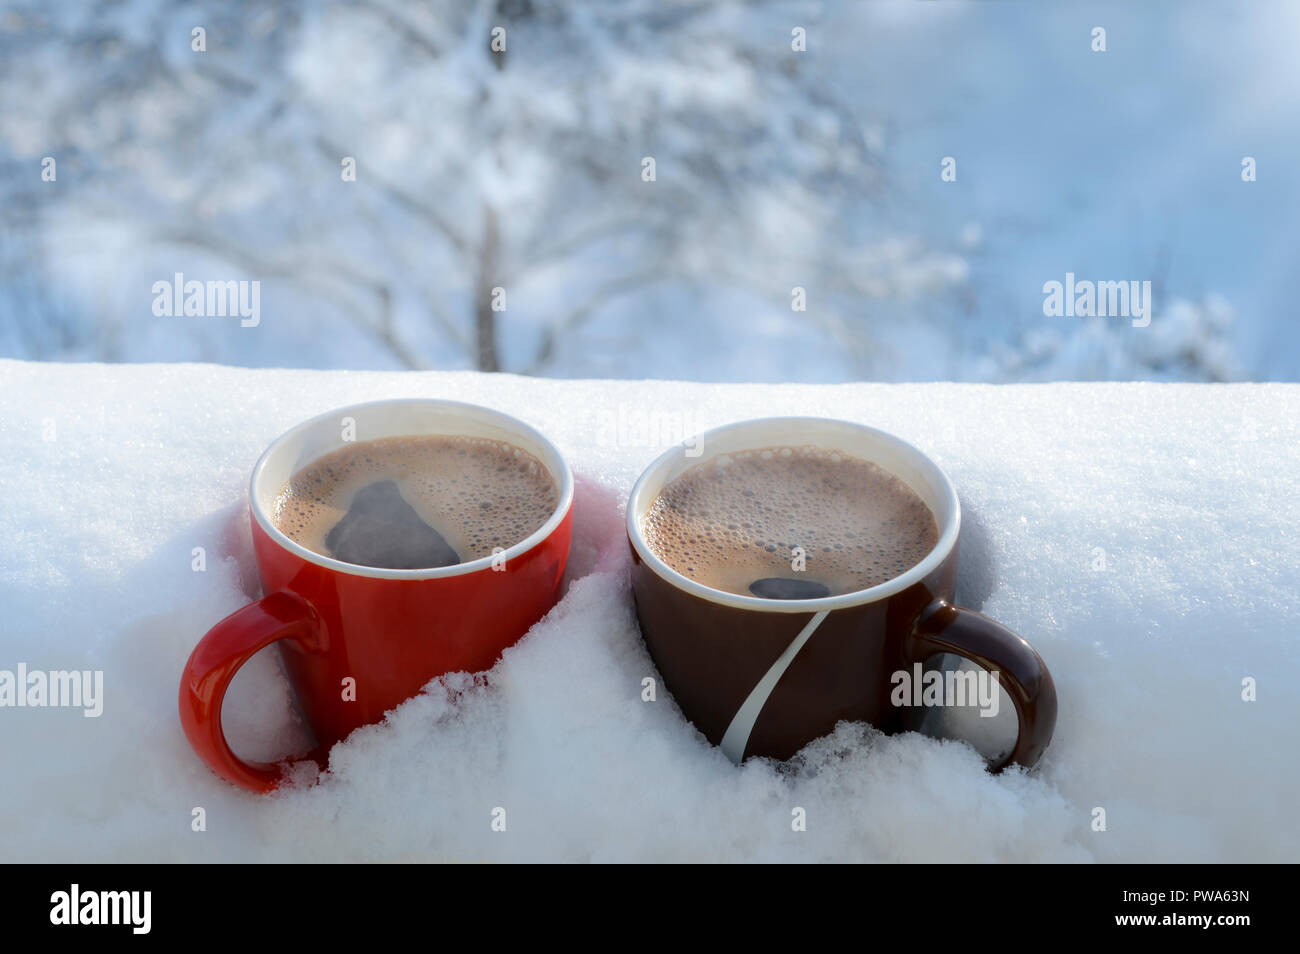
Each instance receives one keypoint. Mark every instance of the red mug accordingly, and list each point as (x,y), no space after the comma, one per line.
(387,631)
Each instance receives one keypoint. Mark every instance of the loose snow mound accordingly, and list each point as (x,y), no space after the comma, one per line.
(1143,537)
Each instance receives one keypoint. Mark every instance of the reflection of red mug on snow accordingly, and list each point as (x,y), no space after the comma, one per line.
(358,640)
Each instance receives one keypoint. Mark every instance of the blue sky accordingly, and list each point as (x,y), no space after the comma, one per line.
(1123,164)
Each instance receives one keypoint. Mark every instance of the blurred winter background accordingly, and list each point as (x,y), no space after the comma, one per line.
(774,169)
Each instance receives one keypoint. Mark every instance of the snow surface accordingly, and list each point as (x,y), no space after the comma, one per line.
(1191,491)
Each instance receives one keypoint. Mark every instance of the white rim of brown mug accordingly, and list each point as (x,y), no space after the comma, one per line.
(789,432)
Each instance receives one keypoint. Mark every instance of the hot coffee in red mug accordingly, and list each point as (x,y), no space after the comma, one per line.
(396,541)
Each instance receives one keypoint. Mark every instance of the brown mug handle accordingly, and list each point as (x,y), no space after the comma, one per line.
(945,628)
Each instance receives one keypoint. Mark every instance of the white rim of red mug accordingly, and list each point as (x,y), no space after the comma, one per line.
(455,418)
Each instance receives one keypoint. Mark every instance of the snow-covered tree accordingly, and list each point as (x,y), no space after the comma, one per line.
(518,164)
(1186,341)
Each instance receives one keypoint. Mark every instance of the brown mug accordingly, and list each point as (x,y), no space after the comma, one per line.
(767,676)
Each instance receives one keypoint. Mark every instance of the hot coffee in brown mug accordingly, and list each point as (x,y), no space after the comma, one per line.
(790,573)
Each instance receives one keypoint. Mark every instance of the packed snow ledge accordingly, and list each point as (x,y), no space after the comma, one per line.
(1142,537)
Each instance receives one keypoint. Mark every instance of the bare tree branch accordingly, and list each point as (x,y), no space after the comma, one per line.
(309,275)
(545,353)
(396,21)
(413,204)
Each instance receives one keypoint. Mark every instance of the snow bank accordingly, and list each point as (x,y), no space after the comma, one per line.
(1143,537)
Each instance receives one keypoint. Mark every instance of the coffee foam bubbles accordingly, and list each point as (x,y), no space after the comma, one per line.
(478,493)
(738,517)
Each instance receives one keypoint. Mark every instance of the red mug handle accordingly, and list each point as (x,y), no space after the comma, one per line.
(945,628)
(214,662)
